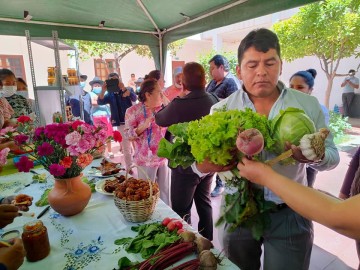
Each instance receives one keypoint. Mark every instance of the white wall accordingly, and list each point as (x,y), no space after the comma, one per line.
(131,63)
(43,58)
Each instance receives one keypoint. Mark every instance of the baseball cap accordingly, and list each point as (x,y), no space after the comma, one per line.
(178,70)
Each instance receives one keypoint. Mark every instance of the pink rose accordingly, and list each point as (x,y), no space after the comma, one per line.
(73,138)
(7,131)
(3,156)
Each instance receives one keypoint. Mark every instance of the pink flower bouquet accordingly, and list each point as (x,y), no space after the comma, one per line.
(64,149)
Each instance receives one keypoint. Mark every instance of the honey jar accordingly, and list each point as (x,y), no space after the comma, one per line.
(51,81)
(51,72)
(36,241)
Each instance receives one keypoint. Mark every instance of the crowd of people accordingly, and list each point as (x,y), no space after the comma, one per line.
(142,112)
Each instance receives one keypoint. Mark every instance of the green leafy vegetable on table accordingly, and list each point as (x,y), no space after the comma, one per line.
(44,198)
(150,239)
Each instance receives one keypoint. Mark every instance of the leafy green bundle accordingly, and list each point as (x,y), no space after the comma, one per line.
(212,137)
(150,239)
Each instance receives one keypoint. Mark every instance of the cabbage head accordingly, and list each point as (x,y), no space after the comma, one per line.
(290,125)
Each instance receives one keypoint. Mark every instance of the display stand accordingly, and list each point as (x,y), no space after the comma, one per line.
(51,99)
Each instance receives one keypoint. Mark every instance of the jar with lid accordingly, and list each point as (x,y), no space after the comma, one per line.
(36,241)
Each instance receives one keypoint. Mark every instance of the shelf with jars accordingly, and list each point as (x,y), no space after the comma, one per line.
(50,98)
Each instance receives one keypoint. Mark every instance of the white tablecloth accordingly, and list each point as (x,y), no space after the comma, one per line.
(86,240)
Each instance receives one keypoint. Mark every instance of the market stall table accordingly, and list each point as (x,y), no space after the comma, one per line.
(86,240)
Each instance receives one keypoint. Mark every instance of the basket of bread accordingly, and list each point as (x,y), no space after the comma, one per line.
(136,198)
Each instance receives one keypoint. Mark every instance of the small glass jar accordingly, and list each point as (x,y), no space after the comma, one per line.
(36,241)
(51,72)
(51,81)
(57,117)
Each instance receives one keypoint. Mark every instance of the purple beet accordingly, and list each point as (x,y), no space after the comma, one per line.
(250,142)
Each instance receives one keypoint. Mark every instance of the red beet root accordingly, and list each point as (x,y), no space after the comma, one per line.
(250,142)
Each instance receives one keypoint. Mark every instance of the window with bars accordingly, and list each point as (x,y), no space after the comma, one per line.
(15,63)
(103,67)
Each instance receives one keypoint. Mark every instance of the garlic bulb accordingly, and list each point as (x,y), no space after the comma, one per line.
(313,145)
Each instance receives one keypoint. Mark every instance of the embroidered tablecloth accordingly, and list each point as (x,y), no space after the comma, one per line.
(86,240)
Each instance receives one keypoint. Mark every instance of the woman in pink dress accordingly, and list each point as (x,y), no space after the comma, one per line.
(141,129)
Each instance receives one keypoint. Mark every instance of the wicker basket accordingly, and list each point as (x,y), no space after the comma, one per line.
(138,211)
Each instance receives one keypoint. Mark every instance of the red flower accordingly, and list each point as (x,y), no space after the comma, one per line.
(76,123)
(24,119)
(24,164)
(66,162)
(117,136)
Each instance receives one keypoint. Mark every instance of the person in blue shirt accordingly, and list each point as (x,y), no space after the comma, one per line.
(119,102)
(100,114)
(86,99)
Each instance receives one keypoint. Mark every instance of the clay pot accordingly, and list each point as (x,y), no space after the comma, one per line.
(69,196)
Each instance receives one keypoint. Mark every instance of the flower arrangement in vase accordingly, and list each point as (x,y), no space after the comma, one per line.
(64,149)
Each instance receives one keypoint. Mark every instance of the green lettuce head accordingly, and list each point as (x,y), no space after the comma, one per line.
(290,125)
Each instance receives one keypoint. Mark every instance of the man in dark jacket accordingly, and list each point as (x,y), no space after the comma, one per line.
(186,186)
(119,100)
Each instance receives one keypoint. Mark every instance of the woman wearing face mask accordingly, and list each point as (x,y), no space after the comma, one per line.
(19,104)
(303,81)
(100,113)
(141,129)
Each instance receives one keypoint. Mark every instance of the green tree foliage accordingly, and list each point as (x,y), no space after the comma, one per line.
(204,59)
(88,49)
(329,30)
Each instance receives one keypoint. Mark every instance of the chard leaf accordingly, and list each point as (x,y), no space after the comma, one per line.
(136,244)
(124,262)
(123,241)
(159,238)
(147,252)
(150,229)
(147,243)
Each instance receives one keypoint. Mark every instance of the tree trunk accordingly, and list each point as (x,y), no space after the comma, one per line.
(328,90)
(117,64)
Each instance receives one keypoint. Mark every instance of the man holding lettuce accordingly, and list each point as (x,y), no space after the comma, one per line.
(288,241)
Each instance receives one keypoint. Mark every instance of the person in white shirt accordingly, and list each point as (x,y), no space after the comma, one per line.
(349,85)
